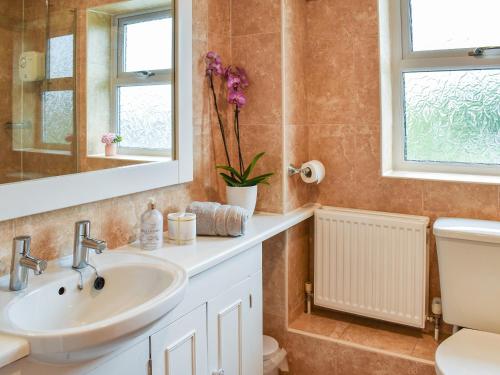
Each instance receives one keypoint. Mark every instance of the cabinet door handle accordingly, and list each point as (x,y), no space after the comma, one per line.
(250,300)
(218,372)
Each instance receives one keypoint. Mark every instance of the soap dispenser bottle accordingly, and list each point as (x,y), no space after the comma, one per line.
(151,227)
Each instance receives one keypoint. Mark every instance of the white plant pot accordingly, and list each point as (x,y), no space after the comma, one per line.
(245,197)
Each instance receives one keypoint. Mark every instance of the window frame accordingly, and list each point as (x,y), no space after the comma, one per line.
(396,59)
(120,78)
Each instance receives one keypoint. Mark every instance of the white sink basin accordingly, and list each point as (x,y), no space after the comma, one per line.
(72,324)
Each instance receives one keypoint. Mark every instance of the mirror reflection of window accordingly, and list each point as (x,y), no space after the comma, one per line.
(143,99)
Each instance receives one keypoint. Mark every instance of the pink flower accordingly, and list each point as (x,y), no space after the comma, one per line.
(236,78)
(237,98)
(214,64)
(108,138)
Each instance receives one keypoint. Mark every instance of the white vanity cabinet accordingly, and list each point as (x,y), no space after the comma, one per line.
(181,347)
(222,337)
(235,329)
(216,329)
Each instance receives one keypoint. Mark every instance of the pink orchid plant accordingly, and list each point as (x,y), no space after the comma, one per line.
(236,81)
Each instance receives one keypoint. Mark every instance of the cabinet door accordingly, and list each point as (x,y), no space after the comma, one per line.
(181,347)
(235,329)
(133,361)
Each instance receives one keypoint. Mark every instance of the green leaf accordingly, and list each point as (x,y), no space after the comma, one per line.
(258,180)
(250,168)
(230,181)
(231,170)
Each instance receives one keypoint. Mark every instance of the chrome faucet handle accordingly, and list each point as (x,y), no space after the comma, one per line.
(37,265)
(22,261)
(98,245)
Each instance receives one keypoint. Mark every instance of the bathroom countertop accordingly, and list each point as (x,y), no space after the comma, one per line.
(205,253)
(12,349)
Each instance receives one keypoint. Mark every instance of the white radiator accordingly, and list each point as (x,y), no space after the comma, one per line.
(373,264)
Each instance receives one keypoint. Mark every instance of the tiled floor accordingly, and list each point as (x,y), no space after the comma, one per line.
(371,333)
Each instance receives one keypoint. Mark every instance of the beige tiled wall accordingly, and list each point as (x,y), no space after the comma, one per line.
(295,73)
(344,126)
(256,46)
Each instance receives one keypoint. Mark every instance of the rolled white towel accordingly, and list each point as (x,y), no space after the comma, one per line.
(214,219)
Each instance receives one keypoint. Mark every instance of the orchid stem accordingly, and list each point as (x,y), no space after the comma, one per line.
(221,125)
(237,132)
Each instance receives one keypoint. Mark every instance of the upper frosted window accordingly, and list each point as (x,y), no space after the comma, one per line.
(453,116)
(61,56)
(454,24)
(148,45)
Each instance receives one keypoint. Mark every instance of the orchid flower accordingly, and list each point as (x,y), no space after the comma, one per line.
(214,64)
(237,98)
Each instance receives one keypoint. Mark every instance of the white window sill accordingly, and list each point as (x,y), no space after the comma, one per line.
(142,158)
(43,151)
(450,177)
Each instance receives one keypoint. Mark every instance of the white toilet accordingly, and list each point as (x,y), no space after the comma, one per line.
(469,268)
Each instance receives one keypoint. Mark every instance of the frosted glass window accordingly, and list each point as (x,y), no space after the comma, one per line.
(452,24)
(453,116)
(57,116)
(148,45)
(61,56)
(145,116)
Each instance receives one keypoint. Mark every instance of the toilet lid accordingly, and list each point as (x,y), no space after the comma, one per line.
(469,352)
(270,347)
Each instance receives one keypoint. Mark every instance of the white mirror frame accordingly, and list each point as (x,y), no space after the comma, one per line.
(47,194)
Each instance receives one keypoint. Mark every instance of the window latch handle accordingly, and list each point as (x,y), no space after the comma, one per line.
(479,51)
(145,73)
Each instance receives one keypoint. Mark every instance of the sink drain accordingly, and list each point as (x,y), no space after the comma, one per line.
(99,283)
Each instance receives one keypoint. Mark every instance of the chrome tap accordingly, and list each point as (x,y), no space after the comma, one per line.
(22,261)
(83,243)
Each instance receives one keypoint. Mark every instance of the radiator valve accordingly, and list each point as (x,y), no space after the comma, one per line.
(436,309)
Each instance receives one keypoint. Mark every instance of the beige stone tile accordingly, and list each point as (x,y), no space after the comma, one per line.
(425,348)
(6,236)
(460,200)
(200,19)
(219,17)
(320,325)
(334,145)
(275,326)
(309,355)
(367,79)
(380,336)
(330,86)
(362,362)
(273,275)
(260,56)
(255,17)
(298,266)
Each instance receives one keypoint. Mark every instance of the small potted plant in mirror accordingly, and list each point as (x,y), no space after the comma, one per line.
(110,141)
(241,186)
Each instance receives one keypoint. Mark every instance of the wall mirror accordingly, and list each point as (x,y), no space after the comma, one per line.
(95,100)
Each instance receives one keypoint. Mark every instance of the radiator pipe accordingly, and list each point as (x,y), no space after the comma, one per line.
(309,296)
